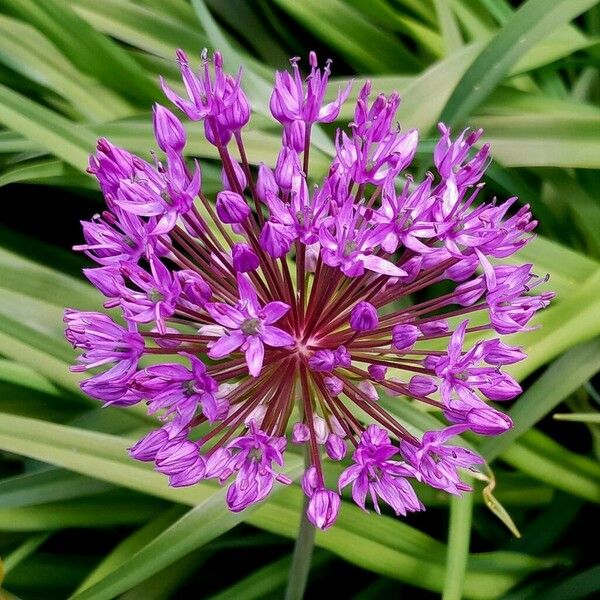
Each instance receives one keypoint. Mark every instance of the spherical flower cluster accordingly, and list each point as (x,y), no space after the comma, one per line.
(280,312)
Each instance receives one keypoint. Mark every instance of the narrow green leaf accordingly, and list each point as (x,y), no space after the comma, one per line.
(48,485)
(142,27)
(266,581)
(163,584)
(560,471)
(578,417)
(573,320)
(390,18)
(448,25)
(53,132)
(585,584)
(533,21)
(17,374)
(28,52)
(27,548)
(90,51)
(203,523)
(543,140)
(102,510)
(47,172)
(27,277)
(130,545)
(362,43)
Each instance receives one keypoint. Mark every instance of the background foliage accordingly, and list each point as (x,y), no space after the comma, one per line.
(79,519)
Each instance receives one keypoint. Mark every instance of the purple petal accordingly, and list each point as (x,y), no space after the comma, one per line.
(255,355)
(273,311)
(275,337)
(227,344)
(380,265)
(224,314)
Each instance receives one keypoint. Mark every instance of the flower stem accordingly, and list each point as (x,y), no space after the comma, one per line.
(305,541)
(303,550)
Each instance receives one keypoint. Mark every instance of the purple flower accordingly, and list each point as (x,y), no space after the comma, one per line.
(265,183)
(168,129)
(249,326)
(335,447)
(195,291)
(450,156)
(232,208)
(179,391)
(364,317)
(104,342)
(404,336)
(373,473)
(374,121)
(460,377)
(146,449)
(218,100)
(323,508)
(252,458)
(436,463)
(118,236)
(284,295)
(350,246)
(156,295)
(164,192)
(244,258)
(375,163)
(323,361)
(290,101)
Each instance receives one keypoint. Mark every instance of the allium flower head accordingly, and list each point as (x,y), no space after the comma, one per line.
(285,309)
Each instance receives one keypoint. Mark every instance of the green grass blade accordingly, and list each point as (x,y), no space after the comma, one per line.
(96,511)
(585,584)
(51,172)
(142,27)
(384,545)
(51,131)
(578,417)
(90,51)
(561,470)
(533,21)
(27,548)
(573,320)
(130,545)
(361,43)
(450,31)
(266,581)
(48,485)
(203,523)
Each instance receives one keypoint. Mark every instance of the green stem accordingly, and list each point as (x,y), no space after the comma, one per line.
(459,534)
(303,550)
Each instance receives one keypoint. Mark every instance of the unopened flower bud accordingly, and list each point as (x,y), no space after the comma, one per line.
(323,508)
(244,258)
(335,447)
(364,317)
(168,129)
(377,372)
(300,433)
(404,336)
(265,183)
(231,207)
